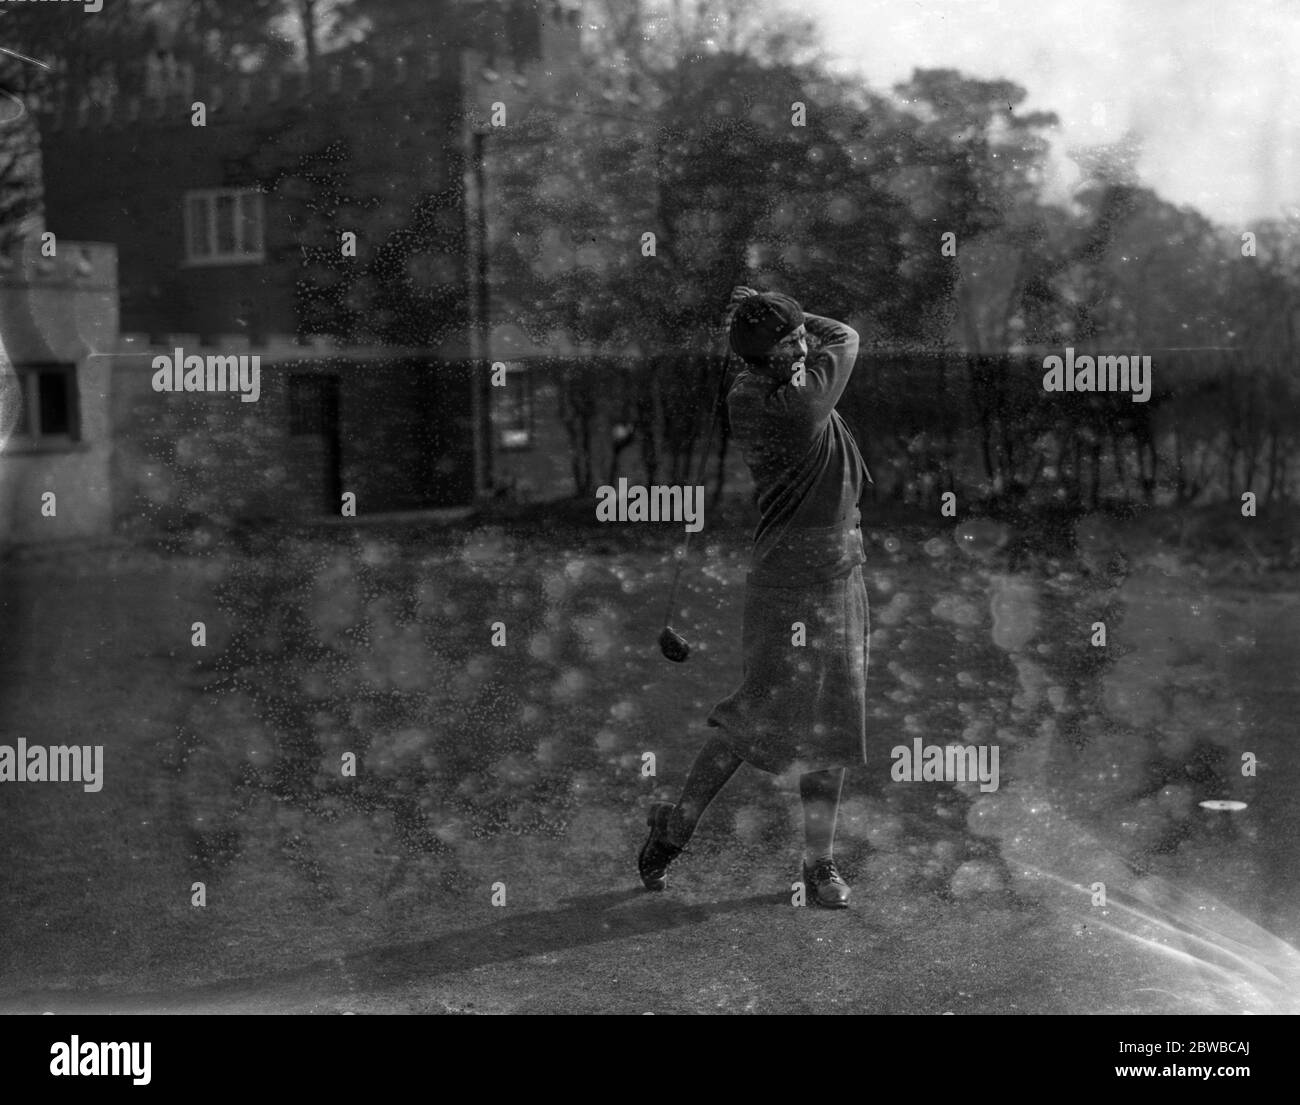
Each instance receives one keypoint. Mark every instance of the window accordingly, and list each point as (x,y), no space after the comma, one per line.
(223,226)
(512,409)
(47,415)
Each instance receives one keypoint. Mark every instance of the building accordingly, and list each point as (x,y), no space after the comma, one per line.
(334,231)
(58,322)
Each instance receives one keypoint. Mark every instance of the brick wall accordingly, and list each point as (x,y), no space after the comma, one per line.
(120,175)
(404,442)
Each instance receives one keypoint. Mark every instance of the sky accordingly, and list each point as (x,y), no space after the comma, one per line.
(1210,87)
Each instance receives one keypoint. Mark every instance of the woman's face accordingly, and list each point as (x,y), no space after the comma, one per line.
(788,354)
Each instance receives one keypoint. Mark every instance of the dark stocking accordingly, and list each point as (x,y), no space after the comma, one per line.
(714,765)
(820,791)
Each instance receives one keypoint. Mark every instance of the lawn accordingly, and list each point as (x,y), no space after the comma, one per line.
(515,772)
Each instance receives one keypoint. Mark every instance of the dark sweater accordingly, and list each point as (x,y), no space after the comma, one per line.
(807,470)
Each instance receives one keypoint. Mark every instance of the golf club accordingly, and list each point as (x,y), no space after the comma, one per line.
(671,643)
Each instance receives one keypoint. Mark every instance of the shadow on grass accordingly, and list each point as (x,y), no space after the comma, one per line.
(581,921)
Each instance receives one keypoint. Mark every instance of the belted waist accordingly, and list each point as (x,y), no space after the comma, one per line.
(810,554)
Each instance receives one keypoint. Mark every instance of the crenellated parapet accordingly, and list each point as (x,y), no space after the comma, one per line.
(161,91)
(244,95)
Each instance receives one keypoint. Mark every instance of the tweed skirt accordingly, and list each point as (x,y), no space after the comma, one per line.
(802,701)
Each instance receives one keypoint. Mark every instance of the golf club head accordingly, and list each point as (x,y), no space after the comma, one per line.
(673,645)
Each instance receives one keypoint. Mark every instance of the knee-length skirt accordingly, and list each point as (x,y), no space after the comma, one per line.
(802,703)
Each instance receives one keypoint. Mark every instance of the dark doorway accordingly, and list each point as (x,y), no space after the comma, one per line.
(315,452)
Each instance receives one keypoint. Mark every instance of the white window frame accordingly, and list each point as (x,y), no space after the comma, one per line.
(246,201)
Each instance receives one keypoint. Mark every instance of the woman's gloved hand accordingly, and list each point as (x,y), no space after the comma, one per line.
(739,294)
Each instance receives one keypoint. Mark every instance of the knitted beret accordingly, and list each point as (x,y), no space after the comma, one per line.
(761,321)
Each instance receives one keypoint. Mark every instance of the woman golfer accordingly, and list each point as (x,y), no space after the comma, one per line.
(801,705)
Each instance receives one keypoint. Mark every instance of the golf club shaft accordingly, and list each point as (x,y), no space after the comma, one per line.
(704,464)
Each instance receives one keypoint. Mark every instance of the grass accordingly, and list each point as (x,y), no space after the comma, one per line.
(522,763)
